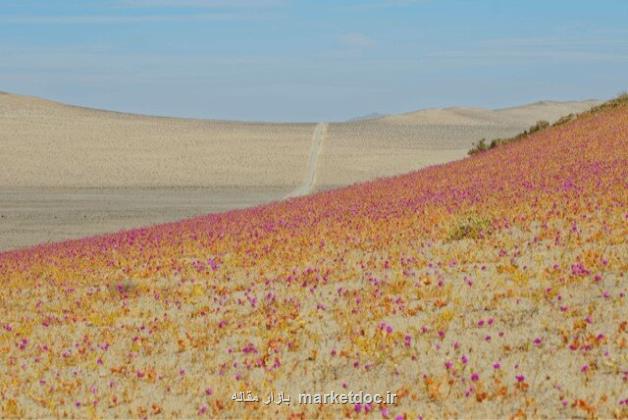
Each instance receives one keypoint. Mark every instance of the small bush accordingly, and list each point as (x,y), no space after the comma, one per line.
(478,147)
(481,146)
(471,227)
(540,125)
(497,142)
(564,119)
(621,99)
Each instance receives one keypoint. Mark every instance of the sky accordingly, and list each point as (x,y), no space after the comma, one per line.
(323,60)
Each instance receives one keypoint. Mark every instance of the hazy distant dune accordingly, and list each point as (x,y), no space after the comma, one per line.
(523,115)
(447,116)
(545,110)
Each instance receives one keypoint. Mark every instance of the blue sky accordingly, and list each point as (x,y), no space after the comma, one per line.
(283,60)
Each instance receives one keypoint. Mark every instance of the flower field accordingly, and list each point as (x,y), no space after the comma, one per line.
(494,286)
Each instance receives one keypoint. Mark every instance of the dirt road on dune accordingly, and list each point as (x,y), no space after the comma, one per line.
(320,131)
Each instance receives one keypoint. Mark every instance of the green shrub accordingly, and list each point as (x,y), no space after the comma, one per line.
(540,125)
(621,99)
(478,147)
(564,119)
(497,142)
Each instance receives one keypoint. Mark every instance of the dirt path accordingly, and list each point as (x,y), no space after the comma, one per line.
(307,186)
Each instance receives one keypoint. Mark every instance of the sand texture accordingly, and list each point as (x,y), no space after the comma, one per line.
(49,144)
(40,215)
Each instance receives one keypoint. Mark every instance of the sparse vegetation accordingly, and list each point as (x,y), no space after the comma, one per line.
(621,99)
(481,146)
(565,119)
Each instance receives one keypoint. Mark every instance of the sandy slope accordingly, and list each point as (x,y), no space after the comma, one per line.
(49,144)
(544,110)
(519,115)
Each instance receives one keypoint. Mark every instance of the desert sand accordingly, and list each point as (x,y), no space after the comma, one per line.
(33,215)
(49,144)
(69,171)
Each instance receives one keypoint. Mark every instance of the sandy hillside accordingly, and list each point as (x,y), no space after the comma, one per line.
(518,115)
(544,110)
(49,144)
(362,150)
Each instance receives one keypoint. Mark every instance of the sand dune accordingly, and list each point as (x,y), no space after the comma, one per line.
(523,115)
(49,144)
(132,170)
(544,110)
(446,116)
